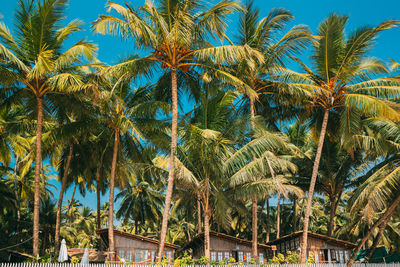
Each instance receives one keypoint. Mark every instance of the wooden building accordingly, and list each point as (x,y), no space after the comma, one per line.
(136,248)
(326,249)
(95,256)
(224,246)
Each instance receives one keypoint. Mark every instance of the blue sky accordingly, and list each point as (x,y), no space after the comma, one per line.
(308,12)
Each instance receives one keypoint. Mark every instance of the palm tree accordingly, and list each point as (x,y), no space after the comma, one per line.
(176,32)
(254,167)
(341,85)
(379,192)
(129,115)
(259,34)
(33,62)
(140,202)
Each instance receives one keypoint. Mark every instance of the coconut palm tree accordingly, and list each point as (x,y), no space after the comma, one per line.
(177,34)
(261,34)
(35,64)
(379,192)
(129,115)
(341,86)
(254,170)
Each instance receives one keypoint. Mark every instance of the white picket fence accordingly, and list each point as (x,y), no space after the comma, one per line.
(23,264)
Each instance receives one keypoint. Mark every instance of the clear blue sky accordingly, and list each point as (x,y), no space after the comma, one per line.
(308,12)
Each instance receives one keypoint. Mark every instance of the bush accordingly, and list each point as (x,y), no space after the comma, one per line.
(74,260)
(292,257)
(311,258)
(203,261)
(184,260)
(278,259)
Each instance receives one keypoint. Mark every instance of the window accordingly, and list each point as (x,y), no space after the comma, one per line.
(145,255)
(248,257)
(227,255)
(213,256)
(341,256)
(346,255)
(298,242)
(168,255)
(316,256)
(240,255)
(128,256)
(138,255)
(153,256)
(261,256)
(333,255)
(121,254)
(220,256)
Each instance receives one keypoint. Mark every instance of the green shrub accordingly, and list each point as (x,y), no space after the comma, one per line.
(292,257)
(74,260)
(278,259)
(203,260)
(311,258)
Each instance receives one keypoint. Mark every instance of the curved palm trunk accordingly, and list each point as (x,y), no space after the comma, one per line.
(386,216)
(72,197)
(171,174)
(278,216)
(111,248)
(38,164)
(377,239)
(60,198)
(303,249)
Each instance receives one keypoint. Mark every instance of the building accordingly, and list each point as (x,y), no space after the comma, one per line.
(224,246)
(326,249)
(136,248)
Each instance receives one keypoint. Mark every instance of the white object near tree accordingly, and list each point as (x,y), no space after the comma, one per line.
(63,256)
(85,257)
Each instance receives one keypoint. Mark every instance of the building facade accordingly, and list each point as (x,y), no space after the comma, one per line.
(224,246)
(136,248)
(324,248)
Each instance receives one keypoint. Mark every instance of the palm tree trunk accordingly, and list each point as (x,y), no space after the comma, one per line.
(16,191)
(98,223)
(386,216)
(254,200)
(98,217)
(254,229)
(334,203)
(60,198)
(278,216)
(294,214)
(303,249)
(38,164)
(198,215)
(171,174)
(72,198)
(377,239)
(111,248)
(268,225)
(207,234)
